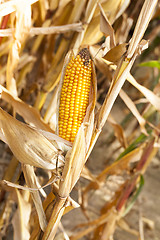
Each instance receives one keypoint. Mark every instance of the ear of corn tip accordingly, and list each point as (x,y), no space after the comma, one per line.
(74,97)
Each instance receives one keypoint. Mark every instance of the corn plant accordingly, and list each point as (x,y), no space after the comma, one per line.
(63,65)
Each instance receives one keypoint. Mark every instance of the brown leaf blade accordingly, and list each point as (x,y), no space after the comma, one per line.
(115,53)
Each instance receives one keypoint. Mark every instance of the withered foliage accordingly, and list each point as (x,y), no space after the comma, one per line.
(37,40)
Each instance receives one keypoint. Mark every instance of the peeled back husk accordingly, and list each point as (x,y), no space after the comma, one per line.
(28,145)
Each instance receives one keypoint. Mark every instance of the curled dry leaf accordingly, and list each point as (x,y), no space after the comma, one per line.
(28,145)
(106,27)
(116,85)
(112,9)
(115,53)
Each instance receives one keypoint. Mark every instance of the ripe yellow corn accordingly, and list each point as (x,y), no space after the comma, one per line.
(74,96)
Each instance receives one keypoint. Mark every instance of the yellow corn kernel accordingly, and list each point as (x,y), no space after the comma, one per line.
(75,95)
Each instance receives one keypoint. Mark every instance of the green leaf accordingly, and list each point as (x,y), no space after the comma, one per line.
(134,145)
(150,64)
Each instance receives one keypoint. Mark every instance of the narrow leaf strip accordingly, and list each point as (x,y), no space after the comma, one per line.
(152,98)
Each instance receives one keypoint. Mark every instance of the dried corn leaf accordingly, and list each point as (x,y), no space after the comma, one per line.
(110,218)
(23,24)
(110,226)
(115,53)
(2,137)
(43,8)
(120,76)
(29,113)
(29,146)
(46,30)
(32,181)
(61,143)
(21,219)
(118,81)
(152,98)
(106,27)
(124,225)
(141,25)
(87,18)
(112,9)
(115,168)
(74,162)
(134,110)
(92,34)
(118,131)
(14,185)
(50,114)
(125,65)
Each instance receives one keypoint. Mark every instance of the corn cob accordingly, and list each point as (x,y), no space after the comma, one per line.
(74,96)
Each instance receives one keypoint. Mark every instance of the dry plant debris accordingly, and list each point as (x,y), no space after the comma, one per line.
(63,64)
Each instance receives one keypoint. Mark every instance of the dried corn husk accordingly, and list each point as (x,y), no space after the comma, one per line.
(28,145)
